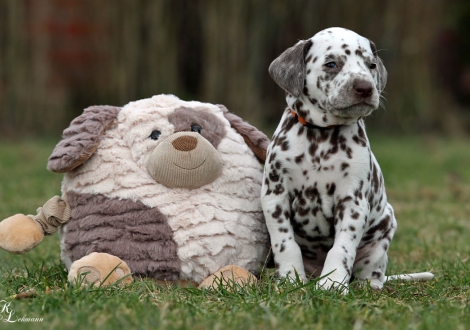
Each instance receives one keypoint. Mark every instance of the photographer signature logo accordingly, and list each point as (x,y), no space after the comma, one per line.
(7,314)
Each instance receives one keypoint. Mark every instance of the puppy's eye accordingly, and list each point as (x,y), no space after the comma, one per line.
(196,128)
(155,135)
(372,66)
(331,65)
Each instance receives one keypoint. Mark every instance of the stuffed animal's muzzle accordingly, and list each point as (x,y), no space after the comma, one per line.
(184,160)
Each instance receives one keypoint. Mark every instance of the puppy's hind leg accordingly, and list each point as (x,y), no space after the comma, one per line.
(372,270)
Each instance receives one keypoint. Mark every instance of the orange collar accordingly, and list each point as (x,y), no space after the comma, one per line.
(307,124)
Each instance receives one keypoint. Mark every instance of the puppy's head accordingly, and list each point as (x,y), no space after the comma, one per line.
(333,78)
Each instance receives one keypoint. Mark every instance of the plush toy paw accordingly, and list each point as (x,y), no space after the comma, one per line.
(19,234)
(100,269)
(227,275)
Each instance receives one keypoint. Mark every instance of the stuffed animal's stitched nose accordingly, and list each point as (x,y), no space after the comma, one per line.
(185,143)
(363,88)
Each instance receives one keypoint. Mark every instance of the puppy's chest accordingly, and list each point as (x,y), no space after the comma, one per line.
(332,161)
(319,167)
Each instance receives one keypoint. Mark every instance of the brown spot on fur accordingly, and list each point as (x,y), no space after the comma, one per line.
(277,212)
(132,231)
(274,176)
(279,189)
(212,127)
(313,101)
(272,157)
(299,158)
(331,189)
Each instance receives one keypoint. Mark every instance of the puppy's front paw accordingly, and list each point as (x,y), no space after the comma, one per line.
(292,275)
(328,283)
(376,284)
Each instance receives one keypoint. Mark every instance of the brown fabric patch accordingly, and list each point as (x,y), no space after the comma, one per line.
(137,234)
(81,138)
(212,127)
(254,138)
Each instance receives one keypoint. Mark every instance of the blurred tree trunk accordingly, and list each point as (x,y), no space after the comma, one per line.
(142,48)
(27,105)
(414,101)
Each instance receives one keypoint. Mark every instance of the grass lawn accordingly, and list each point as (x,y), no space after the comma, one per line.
(428,183)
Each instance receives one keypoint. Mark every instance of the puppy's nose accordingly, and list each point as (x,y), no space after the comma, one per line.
(185,143)
(363,88)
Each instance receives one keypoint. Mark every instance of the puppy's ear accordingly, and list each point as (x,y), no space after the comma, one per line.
(254,138)
(81,138)
(288,70)
(381,71)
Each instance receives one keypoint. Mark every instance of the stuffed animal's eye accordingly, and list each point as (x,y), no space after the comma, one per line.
(372,66)
(155,135)
(331,65)
(196,128)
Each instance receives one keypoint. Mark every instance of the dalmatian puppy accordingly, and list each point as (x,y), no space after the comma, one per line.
(323,194)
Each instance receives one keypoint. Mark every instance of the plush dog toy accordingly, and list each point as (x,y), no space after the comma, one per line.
(160,188)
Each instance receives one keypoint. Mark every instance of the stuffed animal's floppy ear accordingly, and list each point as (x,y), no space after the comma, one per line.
(382,72)
(81,138)
(254,138)
(288,70)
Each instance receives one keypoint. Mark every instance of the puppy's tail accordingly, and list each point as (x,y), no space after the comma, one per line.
(425,276)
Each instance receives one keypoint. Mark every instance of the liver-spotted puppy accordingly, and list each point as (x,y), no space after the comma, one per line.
(323,193)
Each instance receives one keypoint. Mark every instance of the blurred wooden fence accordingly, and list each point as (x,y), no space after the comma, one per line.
(59,56)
